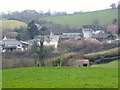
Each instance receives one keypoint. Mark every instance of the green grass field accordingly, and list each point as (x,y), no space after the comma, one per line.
(0,79)
(101,76)
(6,24)
(113,64)
(104,17)
(110,52)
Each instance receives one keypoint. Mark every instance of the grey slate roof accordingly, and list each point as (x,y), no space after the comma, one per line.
(101,35)
(11,43)
(93,27)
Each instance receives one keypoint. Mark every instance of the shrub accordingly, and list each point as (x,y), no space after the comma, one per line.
(15,62)
(42,63)
(54,63)
(104,56)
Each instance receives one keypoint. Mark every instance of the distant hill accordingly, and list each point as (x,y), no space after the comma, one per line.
(25,16)
(103,16)
(6,24)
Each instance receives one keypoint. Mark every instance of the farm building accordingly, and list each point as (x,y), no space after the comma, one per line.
(81,62)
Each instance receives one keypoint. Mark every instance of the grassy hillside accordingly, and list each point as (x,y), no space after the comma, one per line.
(104,17)
(62,77)
(6,24)
(113,64)
(106,53)
(111,53)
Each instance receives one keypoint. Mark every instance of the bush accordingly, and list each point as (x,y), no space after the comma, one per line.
(105,60)
(107,54)
(42,63)
(54,63)
(102,59)
(15,62)
(62,63)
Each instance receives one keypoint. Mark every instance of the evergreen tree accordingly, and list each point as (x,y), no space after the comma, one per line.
(32,29)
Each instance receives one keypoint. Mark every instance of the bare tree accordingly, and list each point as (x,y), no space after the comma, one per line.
(113,6)
(96,22)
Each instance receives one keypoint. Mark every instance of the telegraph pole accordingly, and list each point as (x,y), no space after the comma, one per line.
(60,51)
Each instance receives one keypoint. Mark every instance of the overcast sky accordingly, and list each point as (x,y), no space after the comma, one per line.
(55,5)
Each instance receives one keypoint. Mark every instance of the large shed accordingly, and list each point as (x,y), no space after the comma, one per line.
(81,62)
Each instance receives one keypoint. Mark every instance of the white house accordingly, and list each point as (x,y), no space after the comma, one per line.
(52,40)
(10,45)
(87,32)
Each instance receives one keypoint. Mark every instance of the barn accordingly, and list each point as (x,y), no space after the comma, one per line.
(81,62)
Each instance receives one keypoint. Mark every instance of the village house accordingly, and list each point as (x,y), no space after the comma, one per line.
(11,45)
(97,32)
(103,37)
(87,32)
(90,30)
(67,36)
(52,39)
(49,40)
(93,27)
